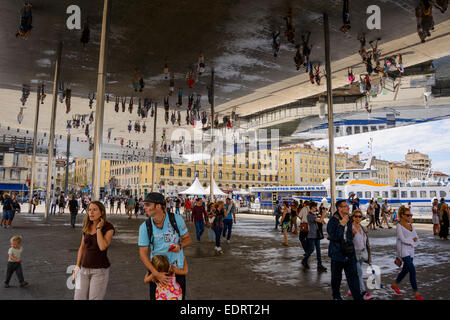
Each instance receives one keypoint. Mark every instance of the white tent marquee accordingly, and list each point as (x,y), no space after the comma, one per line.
(241,192)
(216,190)
(196,189)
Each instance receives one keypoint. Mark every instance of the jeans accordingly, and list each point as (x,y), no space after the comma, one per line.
(181,279)
(199,229)
(73,219)
(218,232)
(408,267)
(303,237)
(359,265)
(14,267)
(377,219)
(177,210)
(53,209)
(211,235)
(277,220)
(227,225)
(311,244)
(351,273)
(90,284)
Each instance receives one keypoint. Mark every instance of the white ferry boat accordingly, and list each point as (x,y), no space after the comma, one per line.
(360,182)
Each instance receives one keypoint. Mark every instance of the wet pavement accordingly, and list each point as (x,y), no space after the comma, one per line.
(253,266)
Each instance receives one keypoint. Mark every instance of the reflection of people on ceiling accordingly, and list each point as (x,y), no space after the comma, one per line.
(306,47)
(425,20)
(290,31)
(400,66)
(362,46)
(26,18)
(124,101)
(166,69)
(180,97)
(201,64)
(346,17)
(166,109)
(298,59)
(20,116)
(317,74)
(190,101)
(441,5)
(351,76)
(171,84)
(130,106)
(116,105)
(275,43)
(311,72)
(85,34)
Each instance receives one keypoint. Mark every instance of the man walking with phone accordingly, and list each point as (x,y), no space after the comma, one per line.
(342,252)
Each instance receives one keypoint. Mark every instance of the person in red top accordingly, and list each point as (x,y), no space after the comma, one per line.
(199,217)
(187,209)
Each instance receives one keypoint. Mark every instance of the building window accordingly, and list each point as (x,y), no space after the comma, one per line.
(246,176)
(220,174)
(180,172)
(16,160)
(205,173)
(233,175)
(161,172)
(188,172)
(171,171)
(15,174)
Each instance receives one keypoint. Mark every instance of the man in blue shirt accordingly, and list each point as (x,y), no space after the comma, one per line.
(342,252)
(165,240)
(230,215)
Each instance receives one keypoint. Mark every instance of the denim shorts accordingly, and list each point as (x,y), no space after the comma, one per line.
(8,215)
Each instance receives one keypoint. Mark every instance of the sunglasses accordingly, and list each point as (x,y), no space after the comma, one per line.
(408,215)
(358,217)
(147,204)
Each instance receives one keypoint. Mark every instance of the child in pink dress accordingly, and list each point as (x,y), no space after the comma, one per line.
(171,290)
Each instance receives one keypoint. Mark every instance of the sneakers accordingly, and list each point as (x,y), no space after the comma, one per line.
(321,269)
(219,249)
(419,297)
(23,284)
(396,290)
(349,293)
(367,296)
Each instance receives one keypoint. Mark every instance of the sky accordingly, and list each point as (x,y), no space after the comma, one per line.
(432,138)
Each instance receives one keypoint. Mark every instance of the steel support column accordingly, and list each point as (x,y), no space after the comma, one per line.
(100,107)
(33,158)
(52,131)
(154,147)
(331,161)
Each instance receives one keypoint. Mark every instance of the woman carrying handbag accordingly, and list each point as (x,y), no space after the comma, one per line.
(407,240)
(217,224)
(362,250)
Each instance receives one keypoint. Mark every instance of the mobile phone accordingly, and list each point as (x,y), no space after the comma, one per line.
(172,246)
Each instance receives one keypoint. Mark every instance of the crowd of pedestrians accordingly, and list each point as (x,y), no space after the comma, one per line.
(349,245)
